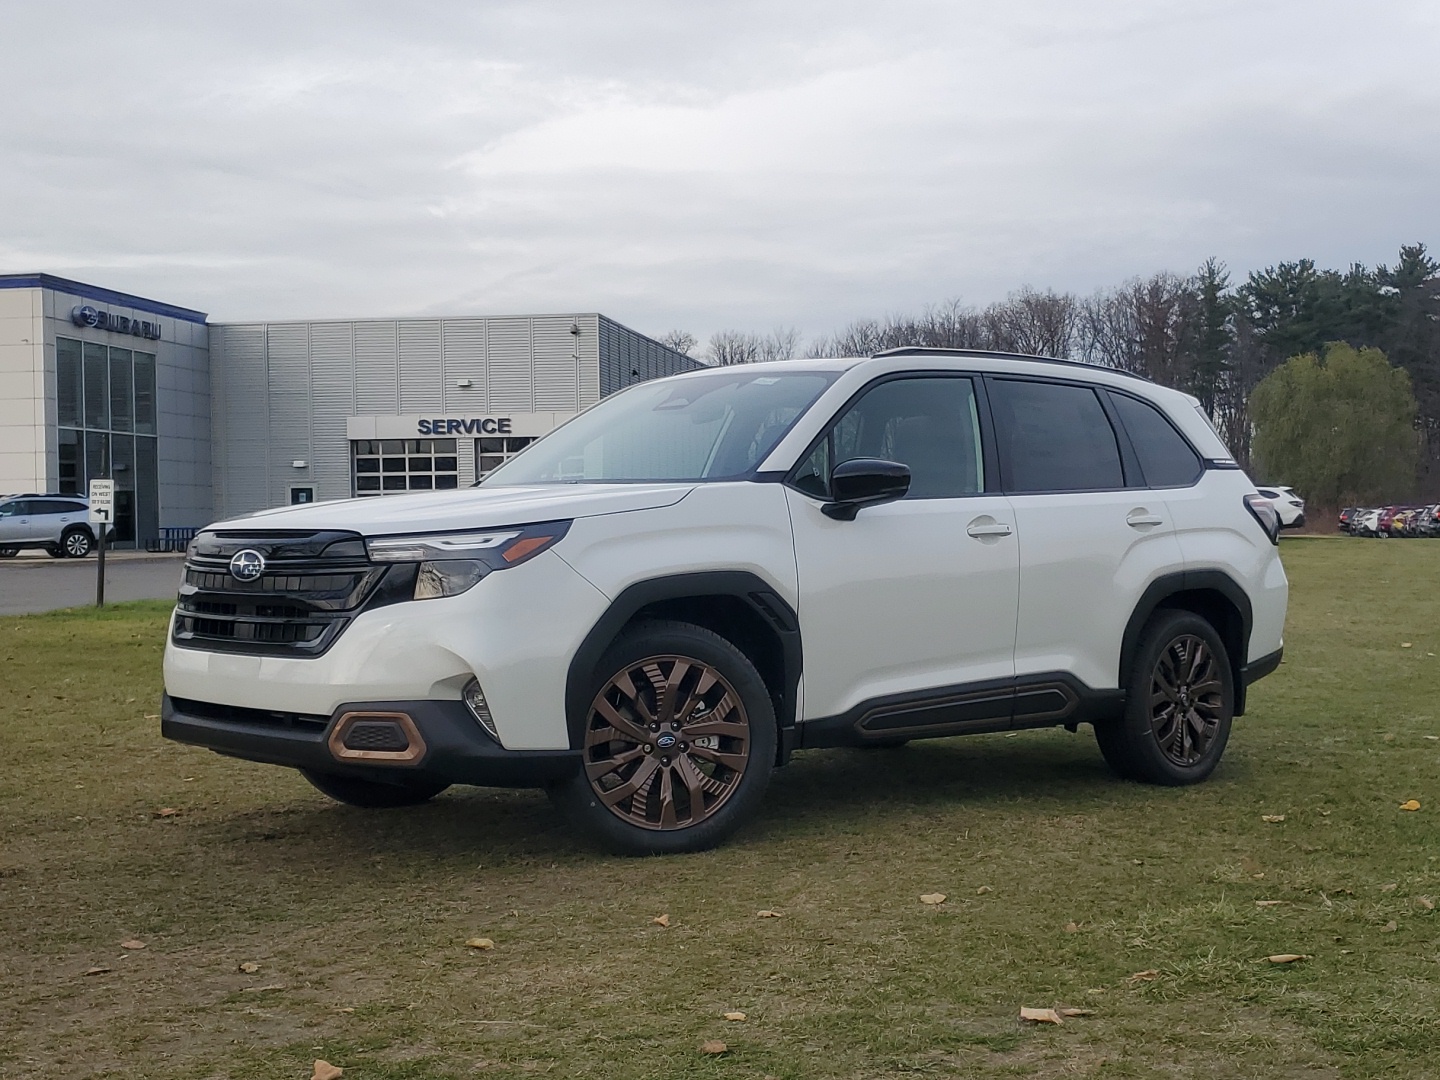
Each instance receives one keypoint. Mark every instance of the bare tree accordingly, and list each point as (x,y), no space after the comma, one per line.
(729,347)
(1040,324)
(682,341)
(779,344)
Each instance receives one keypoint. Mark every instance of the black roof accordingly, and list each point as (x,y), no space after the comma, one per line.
(927,350)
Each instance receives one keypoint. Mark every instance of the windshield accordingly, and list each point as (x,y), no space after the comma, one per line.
(698,427)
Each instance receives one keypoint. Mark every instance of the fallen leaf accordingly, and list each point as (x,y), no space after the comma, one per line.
(767,914)
(98,971)
(1410,804)
(1072,928)
(1425,902)
(1272,818)
(713,1046)
(983,889)
(346,1009)
(166,811)
(1406,645)
(1433,738)
(1258,876)
(932,898)
(1390,927)
(481,943)
(132,944)
(661,920)
(1389,888)
(152,716)
(735,1016)
(263,989)
(325,1071)
(249,967)
(1387,737)
(1075,1012)
(1286,958)
(1040,1016)
(1268,903)
(1145,976)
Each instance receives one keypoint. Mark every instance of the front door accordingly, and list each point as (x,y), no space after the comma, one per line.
(907,613)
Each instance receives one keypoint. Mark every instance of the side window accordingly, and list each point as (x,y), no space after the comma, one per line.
(1055,437)
(930,424)
(1166,458)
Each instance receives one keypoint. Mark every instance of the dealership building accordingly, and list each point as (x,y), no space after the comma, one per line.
(198,420)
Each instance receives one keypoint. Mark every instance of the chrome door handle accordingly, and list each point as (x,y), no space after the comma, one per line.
(1138,519)
(997,529)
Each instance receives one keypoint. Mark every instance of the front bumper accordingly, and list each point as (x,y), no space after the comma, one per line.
(455,749)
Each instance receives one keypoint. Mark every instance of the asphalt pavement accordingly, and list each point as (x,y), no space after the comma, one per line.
(31,583)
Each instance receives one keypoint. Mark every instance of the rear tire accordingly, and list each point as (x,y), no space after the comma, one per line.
(76,543)
(55,551)
(374,794)
(678,742)
(1179,704)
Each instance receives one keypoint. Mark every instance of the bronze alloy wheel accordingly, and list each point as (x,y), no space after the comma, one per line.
(667,743)
(1186,700)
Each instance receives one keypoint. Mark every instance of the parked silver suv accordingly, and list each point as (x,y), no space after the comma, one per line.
(58,523)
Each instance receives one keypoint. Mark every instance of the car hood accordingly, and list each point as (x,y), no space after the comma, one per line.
(467,508)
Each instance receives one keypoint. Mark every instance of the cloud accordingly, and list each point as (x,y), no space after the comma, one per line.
(703,166)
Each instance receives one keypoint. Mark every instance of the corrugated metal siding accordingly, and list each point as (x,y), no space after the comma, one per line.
(463,357)
(287,356)
(238,374)
(332,402)
(556,364)
(627,357)
(420,366)
(377,378)
(511,379)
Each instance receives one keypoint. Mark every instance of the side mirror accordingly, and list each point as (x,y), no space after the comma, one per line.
(862,482)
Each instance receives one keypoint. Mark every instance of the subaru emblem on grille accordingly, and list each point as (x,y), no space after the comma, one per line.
(247,565)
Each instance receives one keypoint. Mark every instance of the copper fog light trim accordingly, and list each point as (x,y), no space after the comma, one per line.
(409,756)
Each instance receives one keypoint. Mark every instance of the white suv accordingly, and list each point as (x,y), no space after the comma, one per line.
(652,607)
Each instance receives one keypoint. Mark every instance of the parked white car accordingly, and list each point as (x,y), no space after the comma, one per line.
(1289,506)
(649,609)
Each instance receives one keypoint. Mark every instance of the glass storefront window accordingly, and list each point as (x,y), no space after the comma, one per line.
(122,391)
(101,391)
(490,454)
(390,466)
(72,457)
(68,382)
(97,387)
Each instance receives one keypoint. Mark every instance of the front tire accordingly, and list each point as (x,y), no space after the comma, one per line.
(678,743)
(374,794)
(76,544)
(9,553)
(1180,701)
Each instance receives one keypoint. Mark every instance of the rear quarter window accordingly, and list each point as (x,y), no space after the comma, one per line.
(1166,459)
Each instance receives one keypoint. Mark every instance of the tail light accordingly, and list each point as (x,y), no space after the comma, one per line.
(1262,511)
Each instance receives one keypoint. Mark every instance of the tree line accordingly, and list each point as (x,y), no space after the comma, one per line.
(1203,333)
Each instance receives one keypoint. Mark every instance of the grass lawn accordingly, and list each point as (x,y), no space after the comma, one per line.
(1062,884)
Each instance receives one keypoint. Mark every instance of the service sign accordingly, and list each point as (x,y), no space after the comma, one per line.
(102,502)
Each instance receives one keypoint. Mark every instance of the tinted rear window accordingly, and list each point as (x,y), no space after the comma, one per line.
(1166,458)
(1054,437)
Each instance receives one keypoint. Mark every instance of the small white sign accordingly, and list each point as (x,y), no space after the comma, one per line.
(102,502)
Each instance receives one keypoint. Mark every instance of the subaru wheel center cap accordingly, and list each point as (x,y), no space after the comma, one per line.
(247,565)
(666,741)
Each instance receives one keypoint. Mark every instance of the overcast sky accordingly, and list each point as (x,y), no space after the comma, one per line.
(703,165)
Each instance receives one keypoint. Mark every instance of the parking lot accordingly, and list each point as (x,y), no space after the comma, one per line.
(34,582)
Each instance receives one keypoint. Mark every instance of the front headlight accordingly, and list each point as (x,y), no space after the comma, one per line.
(451,563)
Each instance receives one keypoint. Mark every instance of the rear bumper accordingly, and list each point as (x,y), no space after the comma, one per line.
(455,749)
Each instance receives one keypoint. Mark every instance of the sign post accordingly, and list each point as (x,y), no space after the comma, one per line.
(102,513)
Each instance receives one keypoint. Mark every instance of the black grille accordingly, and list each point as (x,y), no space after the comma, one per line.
(312,585)
(235,714)
(376,735)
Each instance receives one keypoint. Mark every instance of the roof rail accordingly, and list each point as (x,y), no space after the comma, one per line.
(928,350)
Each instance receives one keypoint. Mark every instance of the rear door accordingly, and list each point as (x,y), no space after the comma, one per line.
(917,595)
(19,524)
(1091,536)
